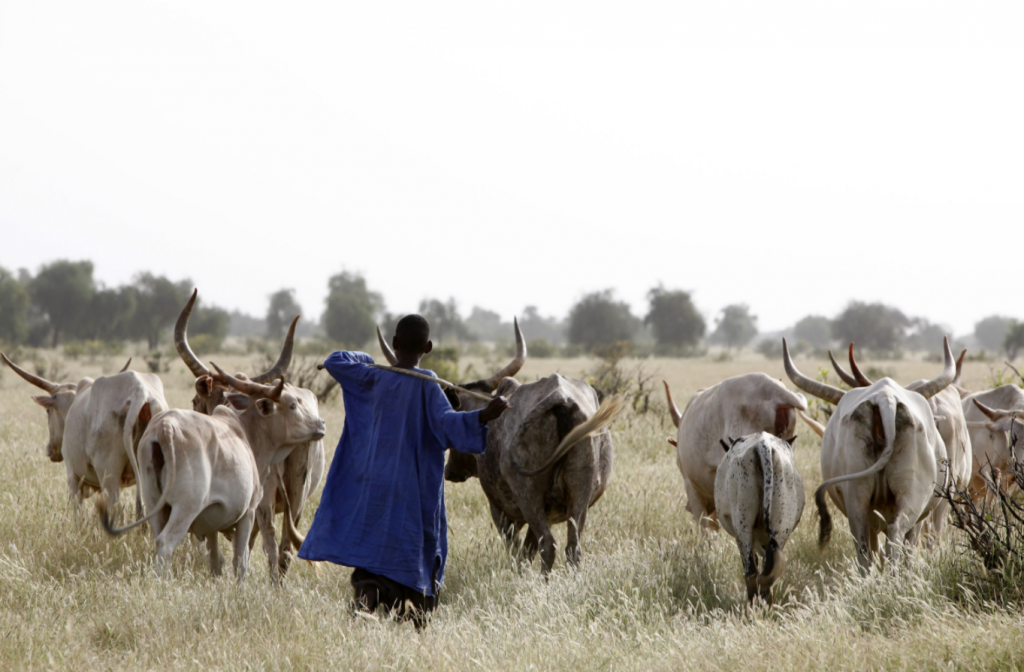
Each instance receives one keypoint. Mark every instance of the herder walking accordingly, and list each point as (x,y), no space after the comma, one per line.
(382,510)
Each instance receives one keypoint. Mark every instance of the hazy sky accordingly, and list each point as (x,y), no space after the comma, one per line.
(788,155)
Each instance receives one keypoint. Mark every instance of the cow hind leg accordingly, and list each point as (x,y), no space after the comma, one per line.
(530,545)
(575,524)
(265,521)
(749,567)
(509,530)
(171,535)
(241,545)
(216,559)
(863,537)
(774,563)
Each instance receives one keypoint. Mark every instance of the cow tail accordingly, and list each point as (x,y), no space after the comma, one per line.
(167,446)
(602,418)
(137,403)
(887,409)
(766,455)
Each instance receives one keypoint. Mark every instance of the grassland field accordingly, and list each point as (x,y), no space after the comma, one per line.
(651,594)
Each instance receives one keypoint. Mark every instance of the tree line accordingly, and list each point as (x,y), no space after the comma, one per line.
(64,302)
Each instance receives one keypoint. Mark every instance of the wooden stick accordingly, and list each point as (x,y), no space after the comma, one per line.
(423,376)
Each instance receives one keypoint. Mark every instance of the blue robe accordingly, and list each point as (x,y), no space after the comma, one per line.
(382,508)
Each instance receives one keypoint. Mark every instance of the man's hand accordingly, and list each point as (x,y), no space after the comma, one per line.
(493,410)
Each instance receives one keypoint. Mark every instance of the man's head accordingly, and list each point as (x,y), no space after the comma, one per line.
(412,337)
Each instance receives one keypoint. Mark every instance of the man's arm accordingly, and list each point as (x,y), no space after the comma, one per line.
(350,368)
(466,432)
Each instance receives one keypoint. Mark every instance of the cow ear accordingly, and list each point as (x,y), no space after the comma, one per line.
(204,386)
(673,442)
(239,402)
(453,398)
(266,406)
(45,402)
(725,446)
(791,440)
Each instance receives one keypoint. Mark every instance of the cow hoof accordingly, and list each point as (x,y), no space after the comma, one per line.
(284,562)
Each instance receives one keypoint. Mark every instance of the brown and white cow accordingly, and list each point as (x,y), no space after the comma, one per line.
(882,458)
(738,406)
(95,427)
(205,474)
(290,484)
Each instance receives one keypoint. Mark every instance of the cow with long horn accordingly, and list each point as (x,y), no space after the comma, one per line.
(95,427)
(994,420)
(738,406)
(949,417)
(881,457)
(548,459)
(205,474)
(290,484)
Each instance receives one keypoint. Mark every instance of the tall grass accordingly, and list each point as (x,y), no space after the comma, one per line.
(652,593)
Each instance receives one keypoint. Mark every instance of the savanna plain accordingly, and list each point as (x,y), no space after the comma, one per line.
(651,594)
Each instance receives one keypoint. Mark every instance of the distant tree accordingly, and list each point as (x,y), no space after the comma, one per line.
(63,290)
(282,310)
(673,318)
(352,309)
(814,330)
(925,336)
(245,325)
(110,315)
(991,332)
(445,322)
(486,325)
(1014,341)
(598,319)
(873,326)
(736,326)
(14,302)
(540,328)
(158,302)
(213,323)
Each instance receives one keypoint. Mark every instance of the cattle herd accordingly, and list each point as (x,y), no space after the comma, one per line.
(252,447)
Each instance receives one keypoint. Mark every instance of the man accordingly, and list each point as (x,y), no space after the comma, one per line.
(382,509)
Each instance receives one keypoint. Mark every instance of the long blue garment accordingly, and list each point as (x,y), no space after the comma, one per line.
(382,508)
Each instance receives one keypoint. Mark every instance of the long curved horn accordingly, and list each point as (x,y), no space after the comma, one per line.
(936,385)
(843,375)
(959,368)
(677,417)
(126,365)
(830,394)
(280,367)
(990,413)
(41,383)
(862,380)
(512,368)
(389,354)
(249,387)
(181,339)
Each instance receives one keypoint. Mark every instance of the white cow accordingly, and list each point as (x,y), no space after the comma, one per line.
(737,406)
(949,417)
(205,474)
(881,457)
(759,496)
(289,485)
(95,426)
(990,417)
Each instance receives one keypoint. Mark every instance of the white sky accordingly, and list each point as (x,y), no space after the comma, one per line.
(788,155)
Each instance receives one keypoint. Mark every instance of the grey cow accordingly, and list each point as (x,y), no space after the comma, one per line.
(548,458)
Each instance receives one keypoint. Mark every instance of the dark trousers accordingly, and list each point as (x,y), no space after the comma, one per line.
(373,590)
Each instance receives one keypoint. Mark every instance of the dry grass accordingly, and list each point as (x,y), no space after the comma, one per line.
(651,593)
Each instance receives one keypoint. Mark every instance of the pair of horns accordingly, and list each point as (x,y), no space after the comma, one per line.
(511,369)
(277,371)
(40,382)
(858,379)
(249,387)
(833,395)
